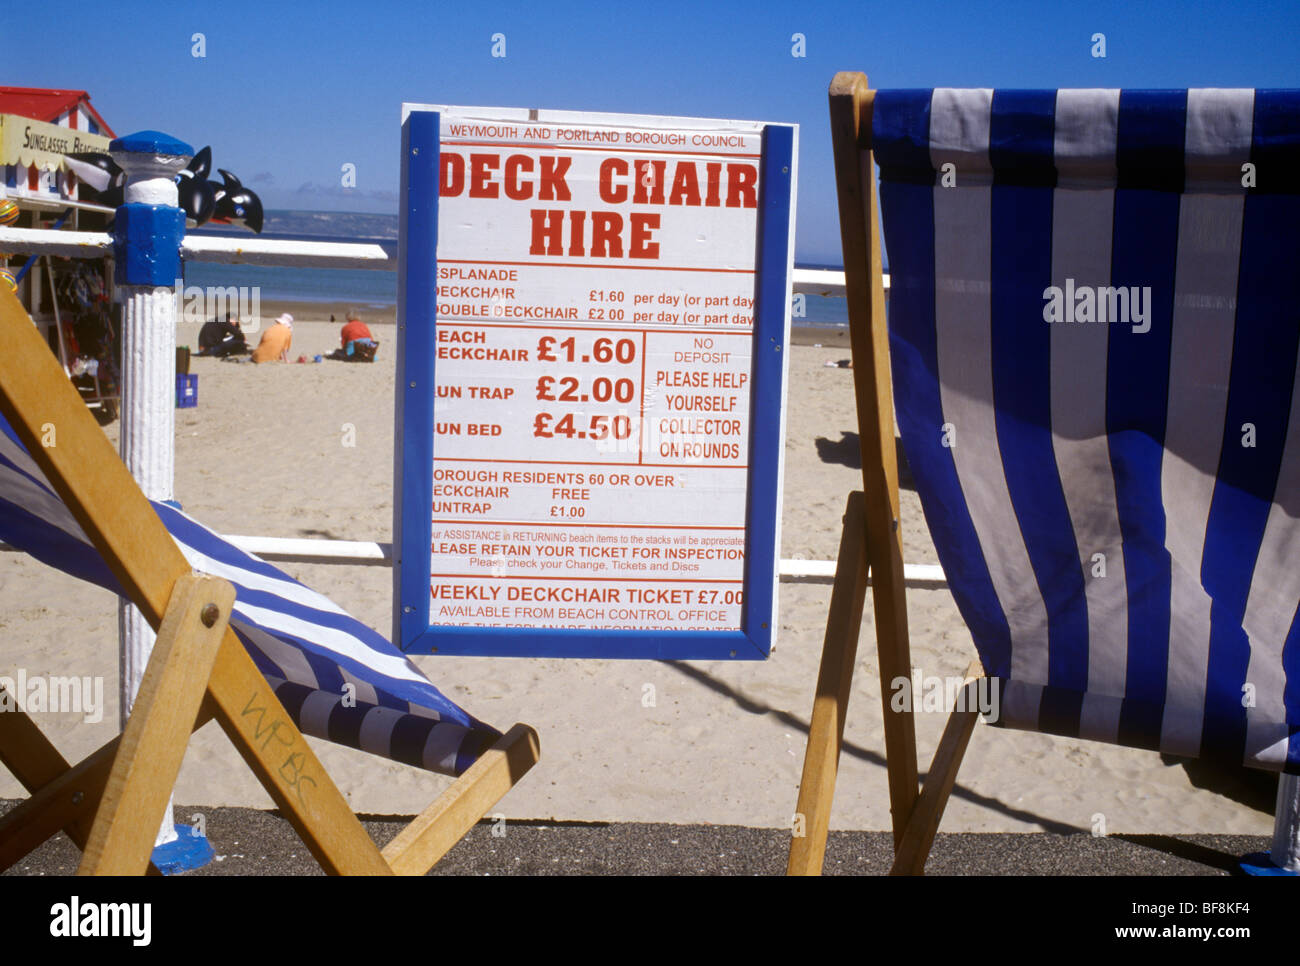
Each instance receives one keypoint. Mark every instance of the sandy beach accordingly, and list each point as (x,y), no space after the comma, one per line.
(263,454)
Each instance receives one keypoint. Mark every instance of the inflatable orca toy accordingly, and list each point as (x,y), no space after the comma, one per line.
(237,204)
(201,200)
(194,192)
(101,179)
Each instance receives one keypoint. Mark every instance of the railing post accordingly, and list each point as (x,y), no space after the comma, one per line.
(147,233)
(1285,853)
(1283,858)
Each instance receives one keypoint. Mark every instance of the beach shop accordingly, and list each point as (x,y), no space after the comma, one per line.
(70,299)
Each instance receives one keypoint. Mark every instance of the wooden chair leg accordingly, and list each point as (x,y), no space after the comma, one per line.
(830,706)
(850,114)
(918,837)
(273,747)
(25,750)
(66,801)
(158,731)
(434,831)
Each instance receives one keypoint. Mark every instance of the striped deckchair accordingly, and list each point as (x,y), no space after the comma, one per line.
(1093,333)
(244,643)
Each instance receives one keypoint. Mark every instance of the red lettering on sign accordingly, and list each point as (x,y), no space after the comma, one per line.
(548,231)
(650,182)
(641,246)
(741,179)
(481,184)
(451,181)
(554,187)
(605,240)
(516,189)
(713,176)
(576,219)
(548,226)
(686,187)
(614,194)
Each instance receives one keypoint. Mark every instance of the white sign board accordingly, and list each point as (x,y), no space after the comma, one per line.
(588,394)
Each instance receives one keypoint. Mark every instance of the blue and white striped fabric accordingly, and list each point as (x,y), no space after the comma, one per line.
(306,646)
(1094,332)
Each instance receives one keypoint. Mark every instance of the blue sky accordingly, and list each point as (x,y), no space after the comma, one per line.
(287,94)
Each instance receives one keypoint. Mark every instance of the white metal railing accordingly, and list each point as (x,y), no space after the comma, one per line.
(298,550)
(44,241)
(373,554)
(293,253)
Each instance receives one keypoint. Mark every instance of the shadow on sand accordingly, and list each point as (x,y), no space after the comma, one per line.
(847,451)
(865,754)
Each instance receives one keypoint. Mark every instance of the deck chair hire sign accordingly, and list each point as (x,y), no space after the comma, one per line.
(1093,333)
(238,641)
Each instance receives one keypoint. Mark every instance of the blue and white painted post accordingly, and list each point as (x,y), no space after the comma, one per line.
(1286,825)
(147,233)
(1284,856)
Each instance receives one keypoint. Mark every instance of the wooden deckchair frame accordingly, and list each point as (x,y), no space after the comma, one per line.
(112,803)
(871,542)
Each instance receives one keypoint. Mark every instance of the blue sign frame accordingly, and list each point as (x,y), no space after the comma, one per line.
(414,431)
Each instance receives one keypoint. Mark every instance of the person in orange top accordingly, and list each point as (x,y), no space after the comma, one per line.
(353,329)
(356,342)
(275,342)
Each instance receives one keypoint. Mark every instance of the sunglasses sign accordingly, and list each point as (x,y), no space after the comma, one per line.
(593,318)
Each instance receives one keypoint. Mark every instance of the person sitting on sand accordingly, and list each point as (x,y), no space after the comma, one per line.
(275,341)
(357,344)
(221,339)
